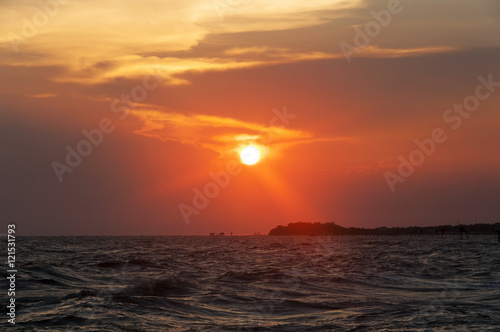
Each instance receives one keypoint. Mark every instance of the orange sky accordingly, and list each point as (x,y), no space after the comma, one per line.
(182,85)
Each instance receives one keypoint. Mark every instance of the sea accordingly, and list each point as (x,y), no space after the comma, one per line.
(256,283)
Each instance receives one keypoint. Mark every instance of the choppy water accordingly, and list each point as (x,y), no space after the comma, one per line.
(222,283)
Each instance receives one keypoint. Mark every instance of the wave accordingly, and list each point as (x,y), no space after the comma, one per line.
(163,287)
(116,264)
(260,284)
(252,276)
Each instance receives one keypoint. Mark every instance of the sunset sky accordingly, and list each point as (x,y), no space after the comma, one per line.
(180,87)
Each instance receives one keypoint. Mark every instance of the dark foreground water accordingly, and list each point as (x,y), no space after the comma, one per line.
(218,283)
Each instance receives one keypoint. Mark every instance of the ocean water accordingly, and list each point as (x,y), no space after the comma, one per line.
(257,283)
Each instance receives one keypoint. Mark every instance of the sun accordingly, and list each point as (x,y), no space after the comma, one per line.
(250,155)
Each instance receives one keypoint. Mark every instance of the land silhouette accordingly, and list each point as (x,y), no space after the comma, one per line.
(331,228)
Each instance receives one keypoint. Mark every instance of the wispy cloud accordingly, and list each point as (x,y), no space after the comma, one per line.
(68,39)
(221,134)
(375,51)
(131,38)
(44,95)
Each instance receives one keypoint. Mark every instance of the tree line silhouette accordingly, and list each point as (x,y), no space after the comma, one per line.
(331,228)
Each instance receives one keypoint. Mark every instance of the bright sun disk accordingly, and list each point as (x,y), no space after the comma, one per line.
(250,155)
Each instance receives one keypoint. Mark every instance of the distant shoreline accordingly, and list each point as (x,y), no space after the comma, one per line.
(331,228)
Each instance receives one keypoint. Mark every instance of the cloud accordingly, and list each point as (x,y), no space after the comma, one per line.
(221,134)
(191,36)
(375,51)
(247,50)
(67,37)
(44,95)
